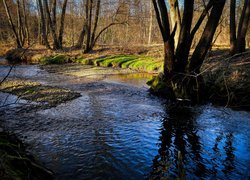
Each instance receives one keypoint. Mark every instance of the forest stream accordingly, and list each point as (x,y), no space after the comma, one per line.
(117,130)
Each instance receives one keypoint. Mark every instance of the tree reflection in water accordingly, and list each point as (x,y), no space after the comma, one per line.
(181,134)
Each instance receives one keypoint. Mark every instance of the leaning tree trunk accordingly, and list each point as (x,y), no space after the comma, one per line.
(179,79)
(162,19)
(184,43)
(92,43)
(84,28)
(19,45)
(207,37)
(175,19)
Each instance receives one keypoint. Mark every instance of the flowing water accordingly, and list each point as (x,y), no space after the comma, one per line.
(117,130)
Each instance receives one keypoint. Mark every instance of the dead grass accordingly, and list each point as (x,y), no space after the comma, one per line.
(33,91)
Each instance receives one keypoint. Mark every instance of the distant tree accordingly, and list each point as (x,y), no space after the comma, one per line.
(14,29)
(43,24)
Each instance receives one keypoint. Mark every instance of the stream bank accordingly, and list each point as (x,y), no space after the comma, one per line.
(226,77)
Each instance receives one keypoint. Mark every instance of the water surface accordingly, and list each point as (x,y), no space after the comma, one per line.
(116,130)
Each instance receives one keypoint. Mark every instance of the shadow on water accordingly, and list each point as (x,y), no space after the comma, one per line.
(182,154)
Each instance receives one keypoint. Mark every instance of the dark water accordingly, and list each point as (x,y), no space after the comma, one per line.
(116,130)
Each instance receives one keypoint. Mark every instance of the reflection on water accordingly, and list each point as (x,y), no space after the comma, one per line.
(121,132)
(135,79)
(206,152)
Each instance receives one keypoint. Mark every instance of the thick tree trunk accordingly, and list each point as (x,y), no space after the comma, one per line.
(163,22)
(82,35)
(60,36)
(233,42)
(84,28)
(19,45)
(92,43)
(207,37)
(175,19)
(185,42)
(43,23)
(243,27)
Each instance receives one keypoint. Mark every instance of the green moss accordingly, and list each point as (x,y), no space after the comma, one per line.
(135,62)
(57,59)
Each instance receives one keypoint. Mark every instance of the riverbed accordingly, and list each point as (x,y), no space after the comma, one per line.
(117,130)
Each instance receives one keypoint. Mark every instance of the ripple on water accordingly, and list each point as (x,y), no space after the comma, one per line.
(117,131)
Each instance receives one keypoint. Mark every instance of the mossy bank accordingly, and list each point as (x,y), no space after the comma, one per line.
(16,163)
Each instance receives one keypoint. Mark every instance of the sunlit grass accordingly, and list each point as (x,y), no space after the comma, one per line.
(134,62)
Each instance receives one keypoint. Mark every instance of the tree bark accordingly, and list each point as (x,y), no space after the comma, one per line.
(233,42)
(243,27)
(207,37)
(92,43)
(21,34)
(43,22)
(150,23)
(19,45)
(175,19)
(163,22)
(89,25)
(60,36)
(52,25)
(26,22)
(185,42)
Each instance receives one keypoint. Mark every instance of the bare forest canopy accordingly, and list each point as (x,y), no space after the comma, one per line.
(85,23)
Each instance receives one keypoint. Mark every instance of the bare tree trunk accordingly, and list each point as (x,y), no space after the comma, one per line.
(207,37)
(150,23)
(19,45)
(52,25)
(184,43)
(233,42)
(53,9)
(243,27)
(43,23)
(21,34)
(89,26)
(175,19)
(26,22)
(60,36)
(162,19)
(92,43)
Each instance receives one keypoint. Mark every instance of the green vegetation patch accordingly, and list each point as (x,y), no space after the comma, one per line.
(134,62)
(33,91)
(15,163)
(57,59)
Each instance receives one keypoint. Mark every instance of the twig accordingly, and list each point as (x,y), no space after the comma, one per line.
(228,93)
